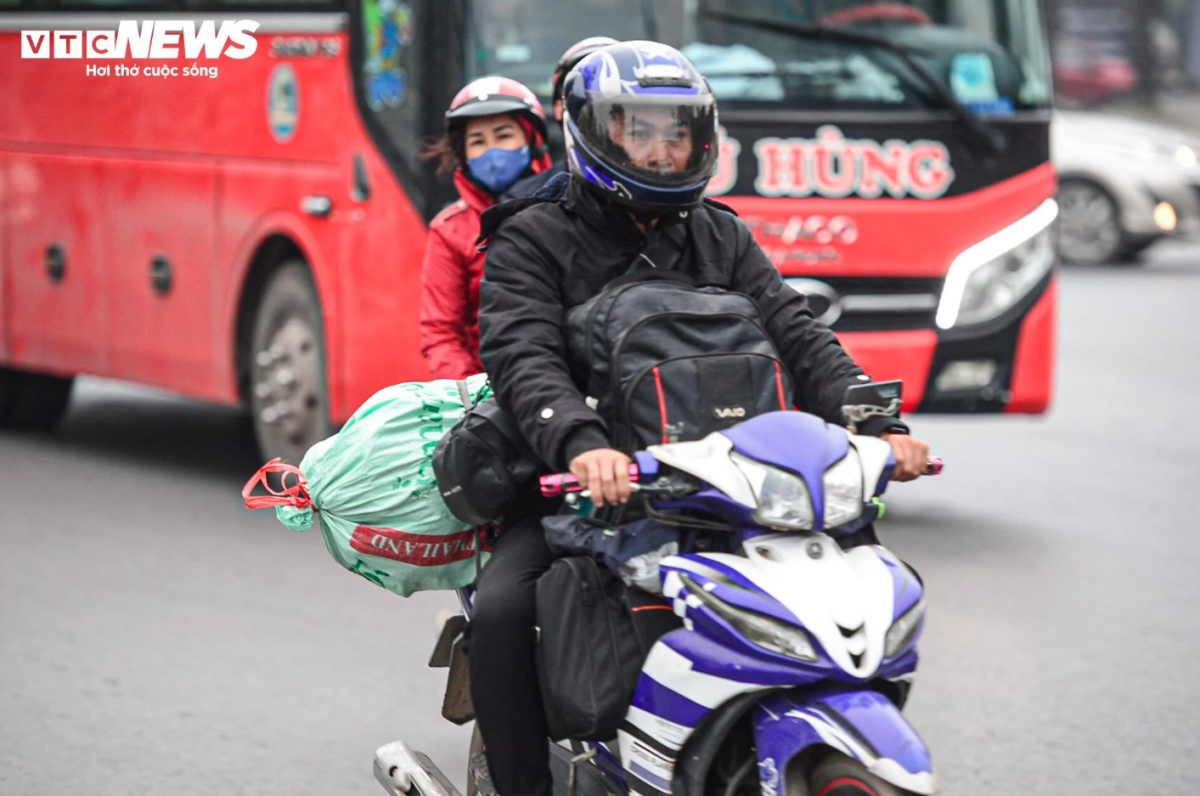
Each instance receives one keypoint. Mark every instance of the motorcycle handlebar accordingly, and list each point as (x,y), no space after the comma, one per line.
(564,483)
(558,484)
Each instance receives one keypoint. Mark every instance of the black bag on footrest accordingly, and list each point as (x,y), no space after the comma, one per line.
(594,635)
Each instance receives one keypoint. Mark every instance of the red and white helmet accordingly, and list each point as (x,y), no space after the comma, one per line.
(487,96)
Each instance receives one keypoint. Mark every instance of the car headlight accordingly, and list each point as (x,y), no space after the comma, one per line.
(783,499)
(844,490)
(763,631)
(994,274)
(1186,156)
(904,629)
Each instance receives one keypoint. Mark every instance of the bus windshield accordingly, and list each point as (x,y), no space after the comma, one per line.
(990,55)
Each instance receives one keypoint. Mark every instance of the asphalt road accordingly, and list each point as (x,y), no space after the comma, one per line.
(156,637)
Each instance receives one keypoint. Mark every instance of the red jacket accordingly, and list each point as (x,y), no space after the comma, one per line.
(451,274)
(450,285)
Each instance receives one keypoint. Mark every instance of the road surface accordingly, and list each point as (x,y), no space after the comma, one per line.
(156,637)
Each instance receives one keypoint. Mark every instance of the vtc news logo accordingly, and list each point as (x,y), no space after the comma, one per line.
(159,39)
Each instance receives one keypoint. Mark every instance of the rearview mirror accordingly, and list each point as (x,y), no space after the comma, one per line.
(871,399)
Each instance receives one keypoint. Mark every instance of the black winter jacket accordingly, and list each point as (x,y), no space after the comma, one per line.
(545,257)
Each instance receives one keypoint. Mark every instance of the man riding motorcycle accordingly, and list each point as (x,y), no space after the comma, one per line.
(641,136)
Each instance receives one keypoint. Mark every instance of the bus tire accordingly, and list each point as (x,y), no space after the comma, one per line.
(289,394)
(33,401)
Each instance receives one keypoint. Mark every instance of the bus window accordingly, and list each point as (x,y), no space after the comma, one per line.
(115,5)
(270,5)
(981,51)
(990,53)
(390,73)
(523,39)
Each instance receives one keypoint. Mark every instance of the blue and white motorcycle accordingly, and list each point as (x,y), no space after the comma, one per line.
(795,655)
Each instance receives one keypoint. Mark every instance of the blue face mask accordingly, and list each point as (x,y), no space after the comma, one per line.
(497,169)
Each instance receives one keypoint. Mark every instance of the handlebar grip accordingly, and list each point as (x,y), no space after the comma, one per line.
(558,484)
(933,466)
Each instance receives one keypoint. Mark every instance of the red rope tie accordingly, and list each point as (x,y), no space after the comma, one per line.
(293,493)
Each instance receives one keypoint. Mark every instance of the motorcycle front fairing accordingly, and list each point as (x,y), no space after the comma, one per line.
(732,465)
(862,724)
(844,602)
(821,616)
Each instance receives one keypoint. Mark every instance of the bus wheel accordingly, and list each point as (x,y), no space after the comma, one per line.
(288,393)
(33,401)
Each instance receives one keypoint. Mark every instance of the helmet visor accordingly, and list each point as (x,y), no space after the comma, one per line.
(658,140)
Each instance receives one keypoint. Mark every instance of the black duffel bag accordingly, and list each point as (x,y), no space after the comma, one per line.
(594,633)
(484,466)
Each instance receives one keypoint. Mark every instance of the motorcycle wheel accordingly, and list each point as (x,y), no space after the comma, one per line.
(839,775)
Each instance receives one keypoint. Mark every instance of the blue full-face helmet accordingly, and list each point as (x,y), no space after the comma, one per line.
(641,126)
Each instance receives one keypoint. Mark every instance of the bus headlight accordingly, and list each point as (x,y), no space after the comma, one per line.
(783,500)
(904,629)
(994,274)
(763,631)
(844,491)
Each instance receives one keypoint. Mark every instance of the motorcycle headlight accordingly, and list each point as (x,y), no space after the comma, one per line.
(994,274)
(783,499)
(763,631)
(844,491)
(904,629)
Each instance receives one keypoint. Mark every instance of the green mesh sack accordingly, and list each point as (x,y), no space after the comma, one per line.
(371,489)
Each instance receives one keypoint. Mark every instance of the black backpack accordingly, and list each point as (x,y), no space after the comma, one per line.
(669,361)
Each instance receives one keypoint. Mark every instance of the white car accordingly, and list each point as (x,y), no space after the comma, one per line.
(1123,184)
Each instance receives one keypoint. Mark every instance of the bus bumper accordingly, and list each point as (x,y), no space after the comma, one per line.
(1005,365)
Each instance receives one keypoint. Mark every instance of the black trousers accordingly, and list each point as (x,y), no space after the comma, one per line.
(504,684)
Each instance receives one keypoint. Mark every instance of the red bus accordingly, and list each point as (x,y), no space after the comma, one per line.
(223,198)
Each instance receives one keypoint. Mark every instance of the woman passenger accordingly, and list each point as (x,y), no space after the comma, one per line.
(495,136)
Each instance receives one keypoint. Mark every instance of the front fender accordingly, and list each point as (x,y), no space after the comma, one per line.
(862,724)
